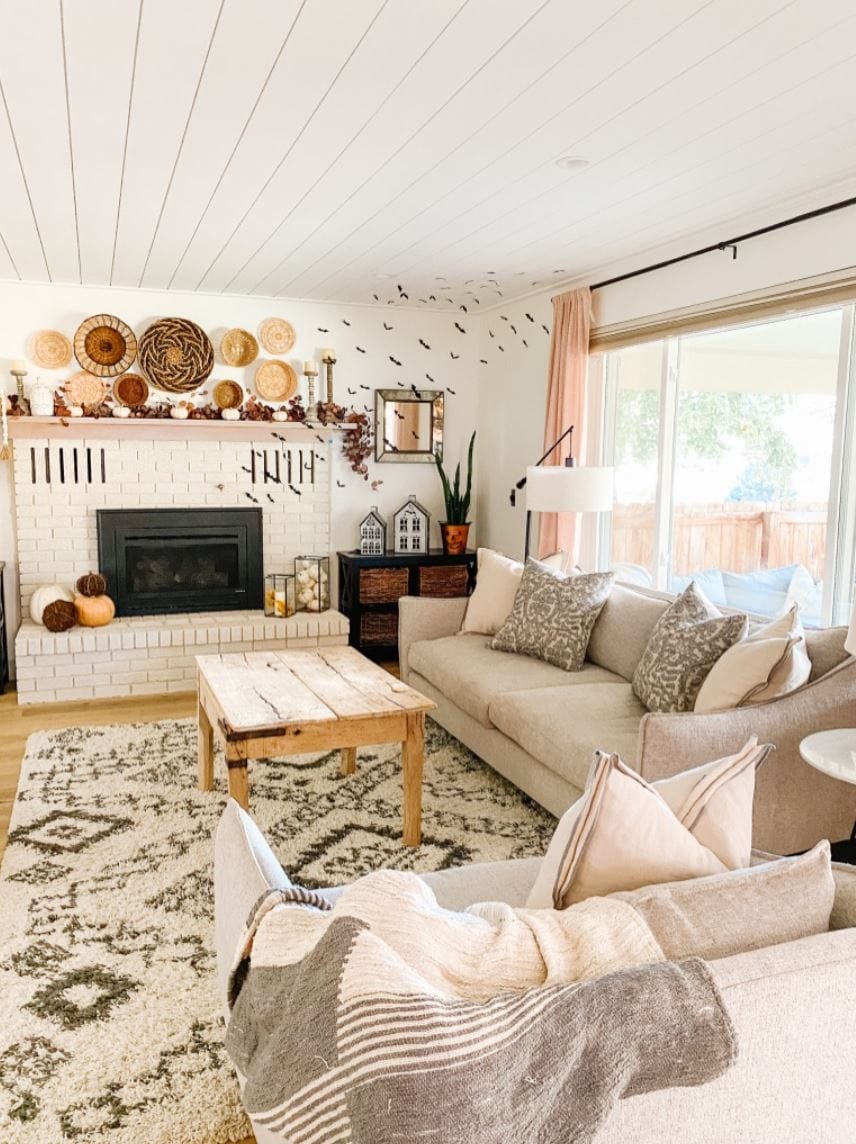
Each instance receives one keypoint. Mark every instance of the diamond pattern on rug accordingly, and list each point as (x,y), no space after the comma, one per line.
(110,1019)
(67,831)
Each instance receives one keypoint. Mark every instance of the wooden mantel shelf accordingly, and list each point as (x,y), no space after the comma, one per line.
(167,429)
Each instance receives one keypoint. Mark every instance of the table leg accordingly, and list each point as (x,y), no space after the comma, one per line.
(412,757)
(239,786)
(349,760)
(206,749)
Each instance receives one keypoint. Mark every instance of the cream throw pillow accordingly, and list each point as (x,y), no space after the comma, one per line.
(496,586)
(770,662)
(625,833)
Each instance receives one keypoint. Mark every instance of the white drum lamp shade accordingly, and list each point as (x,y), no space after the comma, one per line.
(850,642)
(565,488)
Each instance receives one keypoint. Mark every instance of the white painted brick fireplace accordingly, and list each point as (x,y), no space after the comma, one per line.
(63,477)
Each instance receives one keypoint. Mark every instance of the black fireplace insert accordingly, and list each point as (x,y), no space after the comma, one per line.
(181,560)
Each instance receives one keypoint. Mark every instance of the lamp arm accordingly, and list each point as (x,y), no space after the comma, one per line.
(569,432)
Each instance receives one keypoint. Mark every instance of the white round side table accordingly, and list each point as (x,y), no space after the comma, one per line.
(834,753)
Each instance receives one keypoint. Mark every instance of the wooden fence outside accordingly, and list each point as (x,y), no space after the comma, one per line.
(733,538)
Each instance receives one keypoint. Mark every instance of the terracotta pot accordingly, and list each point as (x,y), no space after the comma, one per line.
(454,538)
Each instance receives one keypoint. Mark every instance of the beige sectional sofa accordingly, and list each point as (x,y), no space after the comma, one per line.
(538,725)
(791,1004)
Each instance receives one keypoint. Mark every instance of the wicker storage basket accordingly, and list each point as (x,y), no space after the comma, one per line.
(443,580)
(382,585)
(379,628)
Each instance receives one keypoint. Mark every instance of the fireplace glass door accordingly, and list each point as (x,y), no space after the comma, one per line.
(178,560)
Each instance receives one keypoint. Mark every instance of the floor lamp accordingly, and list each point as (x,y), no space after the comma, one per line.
(564,488)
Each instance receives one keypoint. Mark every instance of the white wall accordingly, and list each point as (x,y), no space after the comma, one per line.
(24,309)
(513,385)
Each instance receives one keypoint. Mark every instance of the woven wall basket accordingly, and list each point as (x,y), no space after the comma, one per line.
(104,345)
(176,355)
(239,347)
(277,335)
(51,349)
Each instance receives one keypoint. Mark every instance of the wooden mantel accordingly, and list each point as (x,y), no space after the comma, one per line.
(166,429)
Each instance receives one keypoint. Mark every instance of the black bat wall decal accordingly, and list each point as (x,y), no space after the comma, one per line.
(460,328)
(386,326)
(453,356)
(321,330)
(529,316)
(394,361)
(360,350)
(424,344)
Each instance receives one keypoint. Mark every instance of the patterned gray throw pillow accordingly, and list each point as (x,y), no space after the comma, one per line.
(686,642)
(553,615)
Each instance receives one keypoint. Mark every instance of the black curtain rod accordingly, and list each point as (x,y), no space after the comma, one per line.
(729,244)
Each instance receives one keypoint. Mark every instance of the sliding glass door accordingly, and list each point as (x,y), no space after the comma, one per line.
(732,466)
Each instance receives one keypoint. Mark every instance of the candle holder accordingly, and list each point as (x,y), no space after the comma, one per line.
(19,375)
(329,360)
(310,372)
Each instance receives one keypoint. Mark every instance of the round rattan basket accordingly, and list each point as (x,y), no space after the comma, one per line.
(84,388)
(275,380)
(176,355)
(105,345)
(277,336)
(239,347)
(131,389)
(51,349)
(228,395)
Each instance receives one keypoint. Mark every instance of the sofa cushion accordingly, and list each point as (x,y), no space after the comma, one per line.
(741,910)
(625,833)
(769,662)
(563,728)
(687,640)
(471,673)
(553,615)
(825,647)
(623,628)
(493,596)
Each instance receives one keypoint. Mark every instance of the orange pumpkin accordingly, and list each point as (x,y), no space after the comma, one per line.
(94,611)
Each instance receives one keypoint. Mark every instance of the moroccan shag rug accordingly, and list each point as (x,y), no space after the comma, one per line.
(110,1027)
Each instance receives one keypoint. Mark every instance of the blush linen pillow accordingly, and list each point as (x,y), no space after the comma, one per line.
(493,596)
(770,662)
(496,586)
(625,832)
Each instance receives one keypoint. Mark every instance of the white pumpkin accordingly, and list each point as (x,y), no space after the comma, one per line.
(230,414)
(45,595)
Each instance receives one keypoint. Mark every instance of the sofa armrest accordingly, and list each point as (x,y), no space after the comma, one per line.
(795,805)
(426,618)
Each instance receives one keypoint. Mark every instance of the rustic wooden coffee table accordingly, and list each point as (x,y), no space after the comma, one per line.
(267,704)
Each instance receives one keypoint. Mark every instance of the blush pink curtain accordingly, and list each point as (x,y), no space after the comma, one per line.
(566,405)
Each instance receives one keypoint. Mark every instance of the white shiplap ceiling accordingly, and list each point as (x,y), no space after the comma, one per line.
(342,149)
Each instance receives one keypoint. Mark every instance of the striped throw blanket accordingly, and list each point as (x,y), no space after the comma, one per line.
(387,1018)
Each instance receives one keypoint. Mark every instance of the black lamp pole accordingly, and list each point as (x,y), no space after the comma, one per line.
(569,463)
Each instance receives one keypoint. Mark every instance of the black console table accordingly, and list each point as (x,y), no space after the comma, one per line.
(371,586)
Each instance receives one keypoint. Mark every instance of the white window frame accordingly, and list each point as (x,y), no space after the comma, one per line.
(840,564)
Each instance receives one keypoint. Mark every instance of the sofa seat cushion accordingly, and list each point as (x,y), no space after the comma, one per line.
(563,727)
(471,673)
